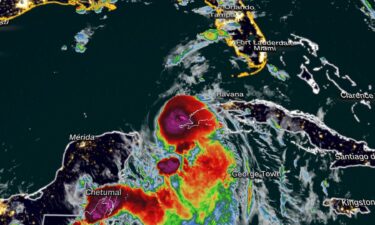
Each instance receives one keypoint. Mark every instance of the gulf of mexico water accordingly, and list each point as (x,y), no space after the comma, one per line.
(48,94)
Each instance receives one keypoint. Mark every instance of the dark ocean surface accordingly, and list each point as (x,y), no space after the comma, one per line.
(47,94)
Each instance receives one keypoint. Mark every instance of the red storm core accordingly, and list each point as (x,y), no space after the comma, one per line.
(185,120)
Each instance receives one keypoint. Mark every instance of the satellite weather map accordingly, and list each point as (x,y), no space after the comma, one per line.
(184,112)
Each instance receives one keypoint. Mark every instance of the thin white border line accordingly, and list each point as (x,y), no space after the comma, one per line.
(57,215)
